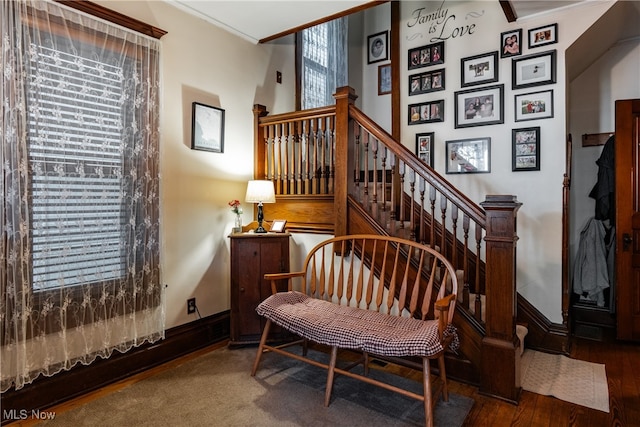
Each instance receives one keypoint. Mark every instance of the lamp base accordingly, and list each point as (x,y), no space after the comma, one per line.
(260,229)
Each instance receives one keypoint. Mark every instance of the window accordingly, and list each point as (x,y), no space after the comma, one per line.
(323,62)
(79,242)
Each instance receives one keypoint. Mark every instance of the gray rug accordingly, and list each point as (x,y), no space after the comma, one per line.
(216,389)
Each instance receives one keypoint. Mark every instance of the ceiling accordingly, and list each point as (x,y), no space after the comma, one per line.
(257,20)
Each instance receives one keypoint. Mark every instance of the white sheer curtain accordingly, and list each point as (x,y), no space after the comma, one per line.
(79,249)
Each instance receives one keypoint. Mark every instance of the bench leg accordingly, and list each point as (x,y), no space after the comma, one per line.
(263,340)
(426,385)
(330,375)
(443,378)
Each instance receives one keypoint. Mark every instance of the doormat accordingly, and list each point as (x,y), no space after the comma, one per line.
(571,380)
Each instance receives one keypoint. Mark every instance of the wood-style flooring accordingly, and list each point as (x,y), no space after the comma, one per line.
(622,362)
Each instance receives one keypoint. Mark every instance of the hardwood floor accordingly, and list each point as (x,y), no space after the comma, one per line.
(622,362)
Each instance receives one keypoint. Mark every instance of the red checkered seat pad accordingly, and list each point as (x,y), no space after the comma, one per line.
(349,327)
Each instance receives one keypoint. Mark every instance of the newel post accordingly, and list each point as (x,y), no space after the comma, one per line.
(259,145)
(344,96)
(500,360)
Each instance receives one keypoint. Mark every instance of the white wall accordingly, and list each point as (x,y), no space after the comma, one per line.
(201,62)
(540,218)
(615,75)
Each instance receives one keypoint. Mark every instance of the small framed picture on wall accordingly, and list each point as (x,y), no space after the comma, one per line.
(424,147)
(510,43)
(378,47)
(526,149)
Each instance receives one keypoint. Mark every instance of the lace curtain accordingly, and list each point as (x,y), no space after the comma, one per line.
(79,249)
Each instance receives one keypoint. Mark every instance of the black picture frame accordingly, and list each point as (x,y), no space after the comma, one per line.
(525,149)
(533,70)
(426,56)
(508,47)
(479,107)
(207,128)
(479,69)
(431,81)
(426,112)
(384,79)
(378,47)
(542,36)
(424,147)
(471,155)
(533,105)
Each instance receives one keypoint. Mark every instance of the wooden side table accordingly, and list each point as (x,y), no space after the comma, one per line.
(252,256)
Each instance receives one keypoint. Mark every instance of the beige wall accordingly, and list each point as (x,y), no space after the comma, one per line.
(203,63)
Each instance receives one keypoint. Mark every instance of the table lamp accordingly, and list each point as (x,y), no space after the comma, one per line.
(260,191)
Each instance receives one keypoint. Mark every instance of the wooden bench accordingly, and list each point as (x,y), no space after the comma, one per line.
(372,294)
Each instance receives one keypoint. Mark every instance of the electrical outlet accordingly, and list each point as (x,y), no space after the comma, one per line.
(191,305)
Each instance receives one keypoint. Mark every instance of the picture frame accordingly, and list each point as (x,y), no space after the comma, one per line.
(384,79)
(207,128)
(424,147)
(534,70)
(479,107)
(278,225)
(525,149)
(479,69)
(471,155)
(542,36)
(378,47)
(426,112)
(431,81)
(425,56)
(533,105)
(511,43)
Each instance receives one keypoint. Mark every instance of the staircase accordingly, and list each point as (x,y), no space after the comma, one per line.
(337,171)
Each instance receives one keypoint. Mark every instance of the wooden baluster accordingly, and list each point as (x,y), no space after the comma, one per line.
(478,301)
(322,131)
(443,224)
(412,220)
(272,154)
(432,199)
(316,148)
(332,161)
(421,188)
(285,166)
(374,150)
(299,147)
(465,261)
(267,141)
(392,216)
(356,163)
(366,163)
(454,231)
(278,159)
(401,168)
(292,157)
(308,132)
(383,161)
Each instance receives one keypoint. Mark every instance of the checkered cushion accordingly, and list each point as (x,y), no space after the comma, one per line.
(353,328)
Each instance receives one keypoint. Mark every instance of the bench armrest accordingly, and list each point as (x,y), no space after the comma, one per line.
(275,277)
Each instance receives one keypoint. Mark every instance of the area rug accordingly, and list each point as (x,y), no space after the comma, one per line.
(575,381)
(216,389)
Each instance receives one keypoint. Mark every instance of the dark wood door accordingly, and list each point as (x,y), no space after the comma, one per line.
(628,219)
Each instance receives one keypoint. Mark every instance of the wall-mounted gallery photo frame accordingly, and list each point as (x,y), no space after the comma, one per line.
(424,147)
(543,36)
(533,105)
(207,128)
(378,47)
(534,70)
(427,55)
(468,155)
(431,81)
(526,149)
(426,112)
(479,69)
(384,79)
(479,107)
(511,43)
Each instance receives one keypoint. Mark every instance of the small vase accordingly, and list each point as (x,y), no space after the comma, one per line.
(237,228)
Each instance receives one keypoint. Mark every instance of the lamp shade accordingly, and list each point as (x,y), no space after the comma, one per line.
(260,191)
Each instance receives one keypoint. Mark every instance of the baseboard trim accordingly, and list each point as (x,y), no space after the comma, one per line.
(46,392)
(543,334)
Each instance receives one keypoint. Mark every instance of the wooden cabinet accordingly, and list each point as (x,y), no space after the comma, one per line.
(253,256)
